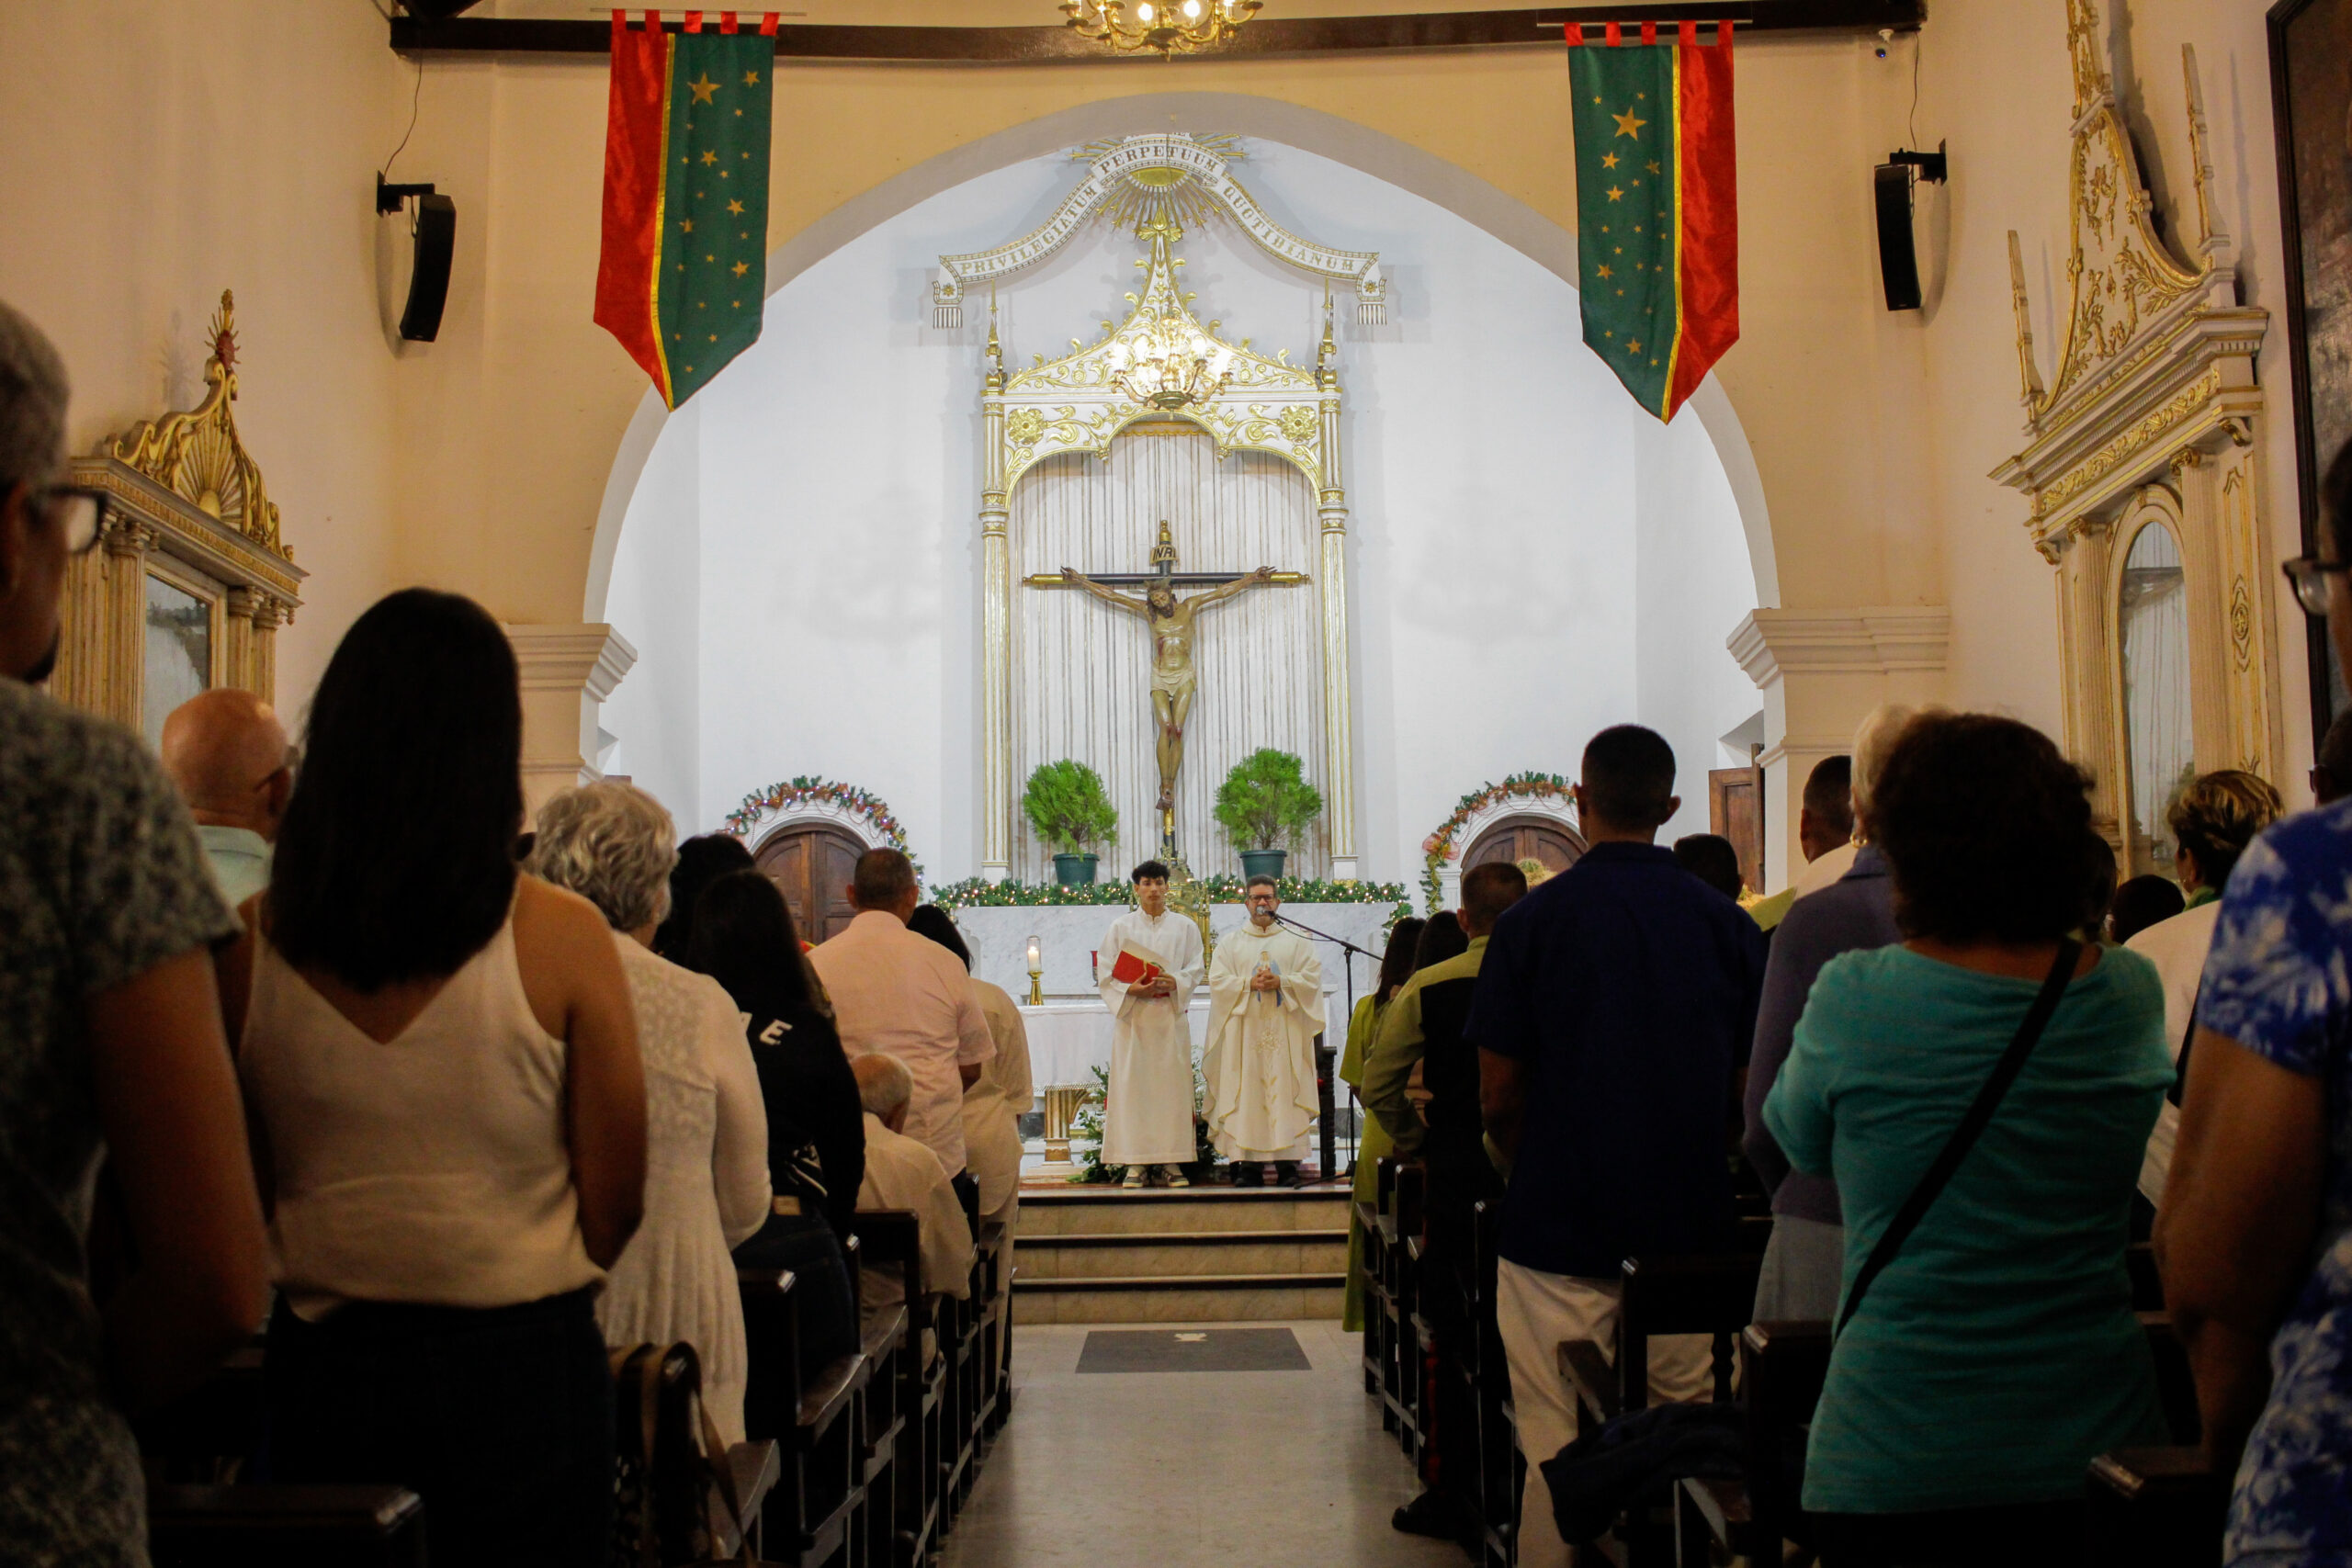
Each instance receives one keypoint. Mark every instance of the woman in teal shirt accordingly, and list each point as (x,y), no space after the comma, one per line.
(1997,1353)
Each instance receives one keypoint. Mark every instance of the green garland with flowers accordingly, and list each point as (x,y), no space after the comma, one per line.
(811,790)
(1440,848)
(978,892)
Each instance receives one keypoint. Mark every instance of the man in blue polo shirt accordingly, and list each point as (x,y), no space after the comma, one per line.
(1612,1016)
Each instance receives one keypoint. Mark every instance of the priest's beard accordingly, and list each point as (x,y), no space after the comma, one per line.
(46,665)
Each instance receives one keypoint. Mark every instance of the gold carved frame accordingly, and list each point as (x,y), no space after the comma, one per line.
(2152,412)
(186,504)
(1076,404)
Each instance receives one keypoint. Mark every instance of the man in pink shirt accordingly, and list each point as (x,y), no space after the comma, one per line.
(906,996)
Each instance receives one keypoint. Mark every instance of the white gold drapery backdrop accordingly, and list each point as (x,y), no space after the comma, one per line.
(1081,677)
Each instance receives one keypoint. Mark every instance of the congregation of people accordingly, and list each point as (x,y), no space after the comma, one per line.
(2056,1169)
(327,1044)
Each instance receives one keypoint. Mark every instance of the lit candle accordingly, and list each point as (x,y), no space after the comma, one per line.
(1033,964)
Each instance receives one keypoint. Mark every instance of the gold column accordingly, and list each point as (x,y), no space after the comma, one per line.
(240,606)
(261,670)
(995,635)
(1339,708)
(125,616)
(81,675)
(2093,678)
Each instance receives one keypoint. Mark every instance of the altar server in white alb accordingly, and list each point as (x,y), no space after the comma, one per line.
(1257,1068)
(1147,1117)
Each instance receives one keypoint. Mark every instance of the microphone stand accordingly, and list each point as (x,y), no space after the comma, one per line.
(1325,1055)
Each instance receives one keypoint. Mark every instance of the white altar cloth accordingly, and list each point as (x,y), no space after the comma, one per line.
(1068,1040)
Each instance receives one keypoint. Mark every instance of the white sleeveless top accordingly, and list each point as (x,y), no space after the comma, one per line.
(431,1168)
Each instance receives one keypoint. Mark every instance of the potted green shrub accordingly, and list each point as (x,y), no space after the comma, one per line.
(1068,806)
(1265,802)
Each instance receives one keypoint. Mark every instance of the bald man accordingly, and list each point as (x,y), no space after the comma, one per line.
(228,753)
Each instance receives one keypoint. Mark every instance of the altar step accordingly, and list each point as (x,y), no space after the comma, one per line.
(1203,1254)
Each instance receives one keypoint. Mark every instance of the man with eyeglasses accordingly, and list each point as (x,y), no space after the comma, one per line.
(110,1044)
(1257,1068)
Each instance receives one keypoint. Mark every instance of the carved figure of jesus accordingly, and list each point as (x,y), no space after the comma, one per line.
(1173,680)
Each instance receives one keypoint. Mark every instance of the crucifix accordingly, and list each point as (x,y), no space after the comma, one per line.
(1173,680)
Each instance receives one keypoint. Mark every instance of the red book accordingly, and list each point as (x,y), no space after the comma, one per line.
(1133,967)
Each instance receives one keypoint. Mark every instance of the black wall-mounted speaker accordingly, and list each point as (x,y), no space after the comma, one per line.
(436,239)
(1898,259)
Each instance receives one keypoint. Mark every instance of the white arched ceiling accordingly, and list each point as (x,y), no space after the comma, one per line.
(1400,164)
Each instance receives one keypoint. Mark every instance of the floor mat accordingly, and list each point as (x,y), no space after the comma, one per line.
(1191,1350)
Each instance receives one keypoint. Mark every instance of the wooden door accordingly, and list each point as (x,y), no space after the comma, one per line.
(1515,839)
(1736,810)
(813,865)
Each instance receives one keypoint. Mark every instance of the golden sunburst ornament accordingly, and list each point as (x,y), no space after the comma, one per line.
(1172,27)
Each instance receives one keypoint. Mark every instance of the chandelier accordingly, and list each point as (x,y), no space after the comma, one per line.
(1169,27)
(1177,375)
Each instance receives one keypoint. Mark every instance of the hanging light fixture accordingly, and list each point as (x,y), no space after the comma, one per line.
(1177,375)
(1172,27)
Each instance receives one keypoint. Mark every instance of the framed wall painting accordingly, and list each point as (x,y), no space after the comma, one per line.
(2310,100)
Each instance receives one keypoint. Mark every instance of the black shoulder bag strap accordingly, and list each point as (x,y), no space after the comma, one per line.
(1971,1125)
(2188,1038)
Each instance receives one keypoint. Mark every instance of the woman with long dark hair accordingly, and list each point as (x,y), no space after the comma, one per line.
(743,938)
(448,1107)
(1396,968)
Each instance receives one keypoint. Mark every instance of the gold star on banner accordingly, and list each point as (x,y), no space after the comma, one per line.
(1608,160)
(709,158)
(703,90)
(1634,345)
(735,207)
(1614,193)
(742,267)
(690,369)
(750,78)
(1641,95)
(1619,249)
(710,258)
(1637,184)
(1628,125)
(686,226)
(1607,271)
(1606,333)
(1653,168)
(714,337)
(1595,100)
(1653,364)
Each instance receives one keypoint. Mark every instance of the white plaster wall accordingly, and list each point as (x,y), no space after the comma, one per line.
(1689,591)
(657,597)
(1494,467)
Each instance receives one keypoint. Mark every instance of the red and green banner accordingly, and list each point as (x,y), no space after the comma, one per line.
(683,273)
(1658,209)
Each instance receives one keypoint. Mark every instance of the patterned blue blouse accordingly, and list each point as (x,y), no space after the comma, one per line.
(2278,981)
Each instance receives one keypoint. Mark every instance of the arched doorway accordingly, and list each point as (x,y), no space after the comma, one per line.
(1514,839)
(813,864)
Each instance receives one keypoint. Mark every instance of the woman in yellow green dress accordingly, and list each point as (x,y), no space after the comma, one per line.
(1396,968)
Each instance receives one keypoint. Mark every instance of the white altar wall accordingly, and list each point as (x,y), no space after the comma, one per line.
(1081,672)
(826,495)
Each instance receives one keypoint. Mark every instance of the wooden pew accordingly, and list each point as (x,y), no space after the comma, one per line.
(891,1239)
(966,1377)
(809,1417)
(2157,1508)
(1501,1470)
(285,1527)
(1782,1366)
(1712,1295)
(1400,1228)
(881,1426)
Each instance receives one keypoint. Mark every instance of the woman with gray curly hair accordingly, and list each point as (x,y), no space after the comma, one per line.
(706,1129)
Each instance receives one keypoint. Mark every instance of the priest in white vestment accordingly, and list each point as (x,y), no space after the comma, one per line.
(1148,1116)
(1257,1068)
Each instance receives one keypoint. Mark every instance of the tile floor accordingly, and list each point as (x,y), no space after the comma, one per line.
(1191,1470)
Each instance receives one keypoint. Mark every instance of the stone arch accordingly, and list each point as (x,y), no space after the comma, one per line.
(1374,152)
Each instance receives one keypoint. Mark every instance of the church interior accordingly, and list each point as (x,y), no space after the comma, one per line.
(1173,507)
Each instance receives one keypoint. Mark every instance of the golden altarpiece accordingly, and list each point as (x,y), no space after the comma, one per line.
(2143,474)
(190,580)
